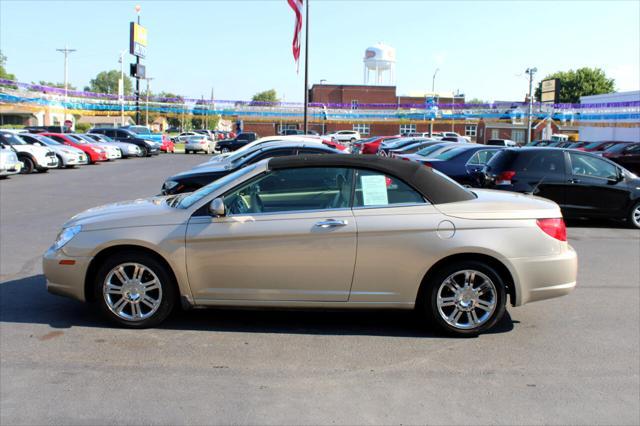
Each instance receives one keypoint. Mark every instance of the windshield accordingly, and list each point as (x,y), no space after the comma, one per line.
(12,139)
(187,200)
(428,150)
(45,140)
(139,130)
(77,139)
(86,138)
(592,145)
(450,153)
(103,138)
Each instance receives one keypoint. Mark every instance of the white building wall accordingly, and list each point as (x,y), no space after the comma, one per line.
(611,133)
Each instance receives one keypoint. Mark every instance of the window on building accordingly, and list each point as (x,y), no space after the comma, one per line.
(282,127)
(517,135)
(354,104)
(470,130)
(495,134)
(363,129)
(405,129)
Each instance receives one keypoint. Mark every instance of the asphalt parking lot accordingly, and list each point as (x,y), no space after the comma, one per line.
(572,360)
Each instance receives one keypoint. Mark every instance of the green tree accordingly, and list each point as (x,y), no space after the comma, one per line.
(3,72)
(581,82)
(266,96)
(174,121)
(107,82)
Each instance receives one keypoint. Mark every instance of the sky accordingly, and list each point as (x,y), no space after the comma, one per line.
(238,48)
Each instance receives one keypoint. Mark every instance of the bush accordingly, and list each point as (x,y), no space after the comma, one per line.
(82,127)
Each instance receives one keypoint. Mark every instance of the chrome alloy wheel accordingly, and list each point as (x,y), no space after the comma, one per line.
(132,291)
(467,299)
(635,216)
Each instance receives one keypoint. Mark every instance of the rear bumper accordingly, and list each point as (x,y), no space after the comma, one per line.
(546,277)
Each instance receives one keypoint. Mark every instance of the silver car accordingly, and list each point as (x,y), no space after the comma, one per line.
(126,149)
(318,231)
(199,143)
(9,163)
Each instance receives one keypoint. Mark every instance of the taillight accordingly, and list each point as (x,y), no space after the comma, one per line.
(404,158)
(554,228)
(426,164)
(504,178)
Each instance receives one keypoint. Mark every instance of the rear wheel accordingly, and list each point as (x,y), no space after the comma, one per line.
(28,165)
(134,290)
(465,298)
(634,216)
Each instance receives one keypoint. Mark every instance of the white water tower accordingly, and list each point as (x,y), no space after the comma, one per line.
(381,60)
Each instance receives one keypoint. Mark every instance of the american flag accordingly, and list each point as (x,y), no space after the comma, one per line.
(296,5)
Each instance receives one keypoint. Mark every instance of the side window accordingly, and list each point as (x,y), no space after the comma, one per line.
(289,190)
(57,138)
(586,165)
(374,189)
(634,149)
(543,163)
(110,133)
(482,157)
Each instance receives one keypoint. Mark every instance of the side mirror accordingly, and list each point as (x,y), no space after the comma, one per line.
(216,207)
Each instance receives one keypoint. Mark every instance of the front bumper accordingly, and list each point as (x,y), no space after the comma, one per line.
(11,169)
(75,160)
(65,280)
(545,277)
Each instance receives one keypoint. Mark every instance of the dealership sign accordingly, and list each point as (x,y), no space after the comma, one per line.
(137,40)
(550,91)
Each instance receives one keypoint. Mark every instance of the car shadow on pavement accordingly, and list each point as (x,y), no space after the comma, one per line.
(27,301)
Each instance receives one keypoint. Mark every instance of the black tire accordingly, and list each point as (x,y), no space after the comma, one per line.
(60,162)
(42,169)
(168,288)
(634,216)
(429,306)
(225,150)
(145,151)
(28,166)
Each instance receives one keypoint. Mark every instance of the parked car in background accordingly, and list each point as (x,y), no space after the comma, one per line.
(250,147)
(33,157)
(344,136)
(199,143)
(200,176)
(167,145)
(463,162)
(94,151)
(9,163)
(386,146)
(244,138)
(501,142)
(145,133)
(579,145)
(627,155)
(601,146)
(582,183)
(413,147)
(49,129)
(127,149)
(68,156)
(113,152)
(290,132)
(321,231)
(371,145)
(147,147)
(422,155)
(182,137)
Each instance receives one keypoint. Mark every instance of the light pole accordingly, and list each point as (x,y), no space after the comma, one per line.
(433,81)
(138,8)
(66,52)
(146,120)
(121,87)
(531,72)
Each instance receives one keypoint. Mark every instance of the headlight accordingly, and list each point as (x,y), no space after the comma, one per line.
(65,236)
(170,184)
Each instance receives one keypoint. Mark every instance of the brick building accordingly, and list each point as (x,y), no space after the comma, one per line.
(364,97)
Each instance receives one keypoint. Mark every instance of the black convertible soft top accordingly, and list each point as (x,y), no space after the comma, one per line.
(435,187)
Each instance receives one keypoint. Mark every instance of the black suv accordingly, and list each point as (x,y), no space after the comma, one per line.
(228,145)
(123,135)
(583,184)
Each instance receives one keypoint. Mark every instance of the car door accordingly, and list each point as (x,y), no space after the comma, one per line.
(397,232)
(287,235)
(542,172)
(596,187)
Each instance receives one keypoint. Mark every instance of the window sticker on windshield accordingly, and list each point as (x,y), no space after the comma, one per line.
(374,190)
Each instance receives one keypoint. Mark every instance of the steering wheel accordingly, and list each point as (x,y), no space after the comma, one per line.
(238,205)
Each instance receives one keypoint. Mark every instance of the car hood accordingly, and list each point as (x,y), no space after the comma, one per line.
(496,204)
(151,211)
(208,167)
(32,149)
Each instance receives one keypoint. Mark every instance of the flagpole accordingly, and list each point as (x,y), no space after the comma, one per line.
(306,69)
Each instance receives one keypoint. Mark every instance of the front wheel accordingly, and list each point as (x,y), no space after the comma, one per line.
(465,298)
(225,150)
(134,290)
(61,164)
(634,216)
(28,166)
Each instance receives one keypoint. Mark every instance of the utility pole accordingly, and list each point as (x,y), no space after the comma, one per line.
(433,81)
(121,87)
(147,116)
(137,78)
(212,105)
(66,51)
(306,70)
(531,72)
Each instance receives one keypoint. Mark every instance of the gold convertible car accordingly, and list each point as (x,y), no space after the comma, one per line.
(318,231)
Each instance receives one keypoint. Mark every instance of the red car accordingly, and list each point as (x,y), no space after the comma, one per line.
(599,146)
(167,144)
(370,146)
(94,152)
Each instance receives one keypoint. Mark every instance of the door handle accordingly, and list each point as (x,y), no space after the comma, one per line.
(574,180)
(331,223)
